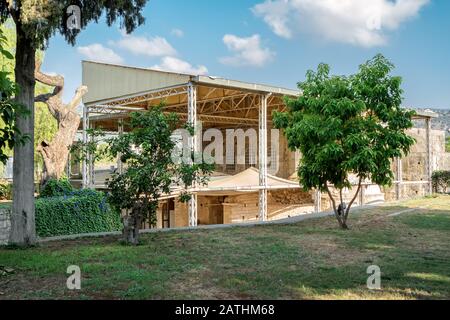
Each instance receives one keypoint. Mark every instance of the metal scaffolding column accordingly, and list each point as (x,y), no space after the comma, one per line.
(318,201)
(84,173)
(91,161)
(193,146)
(119,156)
(429,156)
(262,141)
(362,195)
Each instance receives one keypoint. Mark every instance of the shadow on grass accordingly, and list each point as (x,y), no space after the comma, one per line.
(310,259)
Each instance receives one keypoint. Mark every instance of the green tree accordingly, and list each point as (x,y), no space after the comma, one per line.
(10,134)
(45,125)
(36,21)
(346,125)
(147,151)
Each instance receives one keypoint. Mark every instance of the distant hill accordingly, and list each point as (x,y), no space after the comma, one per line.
(440,123)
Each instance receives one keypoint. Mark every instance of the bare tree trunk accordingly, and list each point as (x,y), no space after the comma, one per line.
(131,226)
(353,200)
(56,153)
(341,213)
(335,209)
(22,220)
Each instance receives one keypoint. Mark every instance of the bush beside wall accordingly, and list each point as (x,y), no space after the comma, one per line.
(55,188)
(441,181)
(82,211)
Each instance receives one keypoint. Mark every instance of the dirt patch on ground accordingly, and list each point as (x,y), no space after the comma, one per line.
(199,284)
(21,286)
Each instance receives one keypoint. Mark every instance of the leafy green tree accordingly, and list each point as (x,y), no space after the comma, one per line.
(347,125)
(36,21)
(45,125)
(147,151)
(10,134)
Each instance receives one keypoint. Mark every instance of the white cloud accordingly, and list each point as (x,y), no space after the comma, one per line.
(177,33)
(98,52)
(276,15)
(152,47)
(246,51)
(177,65)
(358,22)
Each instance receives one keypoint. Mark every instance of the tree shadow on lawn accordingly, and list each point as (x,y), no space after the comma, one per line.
(411,250)
(312,259)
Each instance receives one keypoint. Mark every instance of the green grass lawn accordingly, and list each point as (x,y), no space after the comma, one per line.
(312,259)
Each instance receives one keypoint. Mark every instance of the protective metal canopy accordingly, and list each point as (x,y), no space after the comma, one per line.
(115,91)
(111,84)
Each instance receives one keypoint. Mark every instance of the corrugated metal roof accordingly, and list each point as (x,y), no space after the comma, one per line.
(109,81)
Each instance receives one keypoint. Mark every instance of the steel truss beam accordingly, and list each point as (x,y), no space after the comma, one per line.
(112,109)
(208,100)
(148,95)
(221,119)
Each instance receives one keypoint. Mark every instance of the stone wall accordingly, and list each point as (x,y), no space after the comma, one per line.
(280,204)
(446,160)
(414,166)
(237,208)
(5,226)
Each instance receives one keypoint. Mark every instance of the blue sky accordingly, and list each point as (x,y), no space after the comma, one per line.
(276,42)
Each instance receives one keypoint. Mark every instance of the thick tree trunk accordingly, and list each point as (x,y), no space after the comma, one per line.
(22,219)
(56,153)
(341,212)
(131,226)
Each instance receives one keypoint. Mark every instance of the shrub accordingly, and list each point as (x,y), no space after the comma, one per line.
(5,191)
(81,211)
(441,181)
(54,188)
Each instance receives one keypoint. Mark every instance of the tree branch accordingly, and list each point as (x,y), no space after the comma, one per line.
(334,204)
(54,100)
(354,198)
(76,100)
(53,81)
(43,97)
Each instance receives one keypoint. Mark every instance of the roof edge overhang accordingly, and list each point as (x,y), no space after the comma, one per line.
(424,114)
(242,85)
(201,80)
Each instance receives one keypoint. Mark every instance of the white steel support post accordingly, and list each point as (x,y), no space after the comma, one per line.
(119,156)
(262,141)
(318,201)
(362,195)
(84,169)
(91,162)
(68,166)
(193,146)
(429,156)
